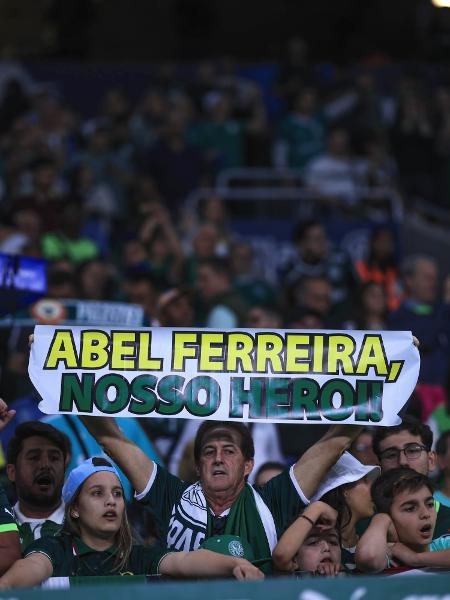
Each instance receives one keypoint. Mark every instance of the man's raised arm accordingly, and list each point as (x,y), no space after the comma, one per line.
(314,464)
(136,465)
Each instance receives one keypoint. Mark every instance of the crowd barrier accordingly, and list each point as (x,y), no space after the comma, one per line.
(399,587)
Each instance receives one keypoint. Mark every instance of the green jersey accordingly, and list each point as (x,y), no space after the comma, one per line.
(33,529)
(70,557)
(7,520)
(184,518)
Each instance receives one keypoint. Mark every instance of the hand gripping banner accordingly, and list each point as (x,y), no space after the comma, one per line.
(311,376)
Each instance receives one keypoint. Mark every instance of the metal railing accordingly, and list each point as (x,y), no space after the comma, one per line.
(282,193)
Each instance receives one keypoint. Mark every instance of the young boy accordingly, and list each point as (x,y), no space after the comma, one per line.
(402,531)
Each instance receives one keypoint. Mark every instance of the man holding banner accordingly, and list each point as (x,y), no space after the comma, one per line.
(221,502)
(345,378)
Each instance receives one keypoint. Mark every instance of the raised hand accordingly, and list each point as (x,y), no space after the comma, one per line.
(5,414)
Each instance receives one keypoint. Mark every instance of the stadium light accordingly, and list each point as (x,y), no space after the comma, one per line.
(441,3)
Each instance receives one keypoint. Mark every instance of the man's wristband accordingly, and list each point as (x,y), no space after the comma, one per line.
(308,519)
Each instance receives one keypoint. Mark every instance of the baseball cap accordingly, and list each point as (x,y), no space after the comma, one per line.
(347,469)
(79,475)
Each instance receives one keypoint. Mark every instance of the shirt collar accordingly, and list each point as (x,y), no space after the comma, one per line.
(81,549)
(57,516)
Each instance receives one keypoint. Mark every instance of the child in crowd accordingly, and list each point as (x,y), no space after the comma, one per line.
(341,501)
(402,531)
(96,539)
(311,544)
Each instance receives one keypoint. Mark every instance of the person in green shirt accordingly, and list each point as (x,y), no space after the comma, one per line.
(37,455)
(221,502)
(96,539)
(9,534)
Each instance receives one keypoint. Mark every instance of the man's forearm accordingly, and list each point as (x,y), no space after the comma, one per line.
(440,558)
(312,467)
(372,549)
(199,563)
(136,465)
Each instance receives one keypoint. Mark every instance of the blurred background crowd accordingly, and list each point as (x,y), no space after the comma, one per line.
(222,193)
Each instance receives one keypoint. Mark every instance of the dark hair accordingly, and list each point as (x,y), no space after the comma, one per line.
(218,264)
(336,499)
(302,228)
(395,481)
(442,443)
(247,447)
(409,424)
(32,428)
(372,260)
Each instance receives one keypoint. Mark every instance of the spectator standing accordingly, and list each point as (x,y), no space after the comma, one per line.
(220,306)
(221,502)
(413,145)
(315,257)
(67,241)
(429,322)
(301,136)
(380,266)
(370,308)
(174,154)
(219,136)
(332,177)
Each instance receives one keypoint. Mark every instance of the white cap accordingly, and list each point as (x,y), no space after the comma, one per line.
(348,469)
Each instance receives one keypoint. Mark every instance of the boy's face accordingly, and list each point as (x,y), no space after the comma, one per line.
(414,517)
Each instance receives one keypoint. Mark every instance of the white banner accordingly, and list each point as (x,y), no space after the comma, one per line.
(360,377)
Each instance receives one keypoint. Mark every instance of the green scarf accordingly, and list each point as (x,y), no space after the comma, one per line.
(244,520)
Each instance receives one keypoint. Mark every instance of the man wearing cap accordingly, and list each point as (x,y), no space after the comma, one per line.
(36,460)
(221,502)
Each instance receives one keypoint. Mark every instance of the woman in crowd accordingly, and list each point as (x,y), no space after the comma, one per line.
(345,500)
(350,496)
(370,308)
(381,265)
(96,540)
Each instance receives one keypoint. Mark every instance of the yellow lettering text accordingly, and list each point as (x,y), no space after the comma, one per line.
(62,348)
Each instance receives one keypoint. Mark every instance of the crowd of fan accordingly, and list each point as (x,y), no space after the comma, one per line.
(328,514)
(103,201)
